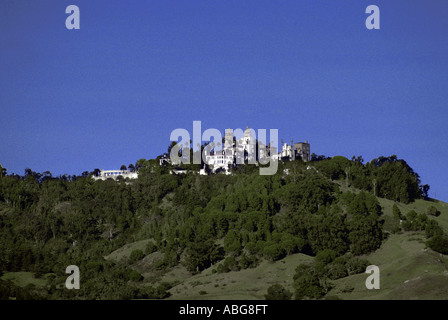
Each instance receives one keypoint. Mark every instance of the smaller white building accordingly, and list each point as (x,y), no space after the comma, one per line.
(114,174)
(219,159)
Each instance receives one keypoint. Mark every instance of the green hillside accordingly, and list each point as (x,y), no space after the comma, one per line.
(307,232)
(409,270)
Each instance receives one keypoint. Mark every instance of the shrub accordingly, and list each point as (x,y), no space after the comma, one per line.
(247,261)
(135,276)
(150,248)
(432,210)
(251,247)
(278,292)
(274,252)
(159,292)
(325,256)
(229,264)
(136,255)
(439,244)
(433,229)
(355,265)
(336,271)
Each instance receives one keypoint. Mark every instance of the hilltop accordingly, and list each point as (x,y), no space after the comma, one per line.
(307,232)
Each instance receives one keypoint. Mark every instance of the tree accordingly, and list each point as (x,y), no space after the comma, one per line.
(326,256)
(364,203)
(365,234)
(358,159)
(123,167)
(131,167)
(201,255)
(171,146)
(201,249)
(274,252)
(307,283)
(394,179)
(396,213)
(136,255)
(425,189)
(439,244)
(433,229)
(278,292)
(316,158)
(150,248)
(432,210)
(135,276)
(2,171)
(140,164)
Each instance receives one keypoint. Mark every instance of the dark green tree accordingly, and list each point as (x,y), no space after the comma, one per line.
(278,292)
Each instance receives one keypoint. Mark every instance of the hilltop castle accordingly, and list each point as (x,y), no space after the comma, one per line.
(246,148)
(222,156)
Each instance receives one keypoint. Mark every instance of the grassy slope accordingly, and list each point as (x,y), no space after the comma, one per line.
(245,284)
(122,254)
(23,279)
(408,270)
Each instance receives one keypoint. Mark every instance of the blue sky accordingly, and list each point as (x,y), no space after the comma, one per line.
(112,92)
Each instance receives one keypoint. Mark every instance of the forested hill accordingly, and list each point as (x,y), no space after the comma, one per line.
(328,208)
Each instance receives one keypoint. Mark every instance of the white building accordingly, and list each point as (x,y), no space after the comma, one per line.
(244,150)
(220,159)
(299,150)
(235,151)
(114,174)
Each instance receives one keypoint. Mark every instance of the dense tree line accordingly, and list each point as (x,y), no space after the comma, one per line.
(234,221)
(386,177)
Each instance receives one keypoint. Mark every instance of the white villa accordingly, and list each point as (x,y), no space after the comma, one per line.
(114,174)
(243,149)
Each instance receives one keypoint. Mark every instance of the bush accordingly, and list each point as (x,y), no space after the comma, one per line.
(136,255)
(439,244)
(278,292)
(336,271)
(159,292)
(251,247)
(325,256)
(150,248)
(411,215)
(135,276)
(229,264)
(396,213)
(248,261)
(432,210)
(310,283)
(347,289)
(433,229)
(355,265)
(274,252)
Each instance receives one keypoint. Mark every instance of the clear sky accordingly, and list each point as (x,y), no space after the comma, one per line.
(112,92)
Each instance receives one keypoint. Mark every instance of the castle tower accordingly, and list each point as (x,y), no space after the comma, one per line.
(228,141)
(302,150)
(247,135)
